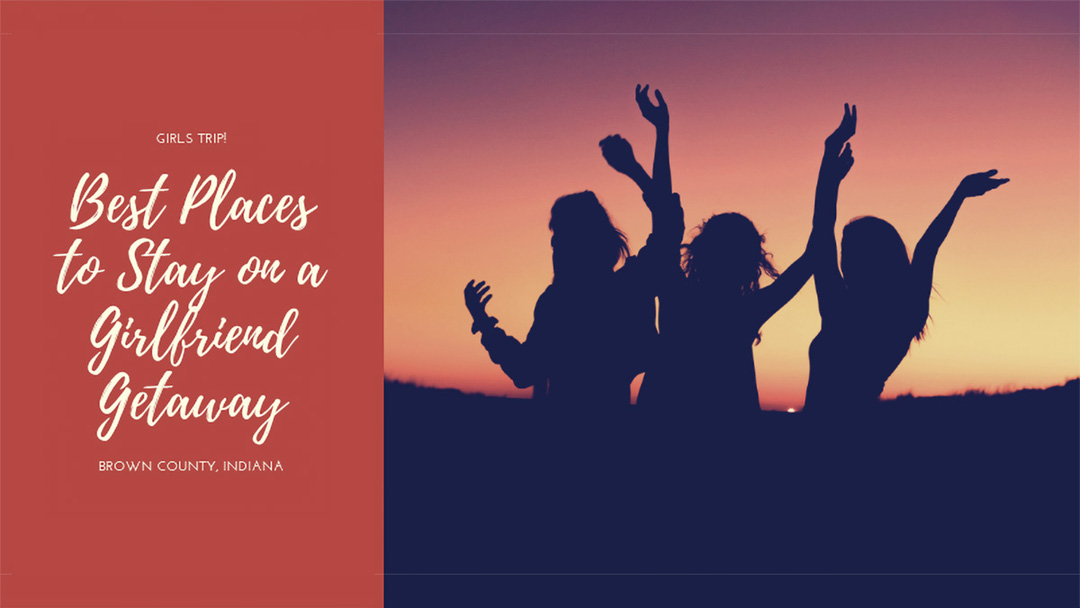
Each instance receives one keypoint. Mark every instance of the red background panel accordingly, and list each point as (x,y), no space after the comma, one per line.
(297,87)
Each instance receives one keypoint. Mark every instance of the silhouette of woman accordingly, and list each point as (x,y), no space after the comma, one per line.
(593,327)
(712,306)
(880,302)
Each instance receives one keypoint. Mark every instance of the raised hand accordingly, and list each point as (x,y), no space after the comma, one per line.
(845,131)
(835,167)
(843,163)
(618,153)
(978,184)
(658,114)
(476,299)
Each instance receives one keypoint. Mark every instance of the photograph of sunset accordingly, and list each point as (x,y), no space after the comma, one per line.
(495,109)
(831,250)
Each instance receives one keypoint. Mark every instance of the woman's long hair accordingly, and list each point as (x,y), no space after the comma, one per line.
(728,254)
(584,241)
(876,267)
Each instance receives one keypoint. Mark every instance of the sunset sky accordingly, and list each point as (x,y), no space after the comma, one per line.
(494,109)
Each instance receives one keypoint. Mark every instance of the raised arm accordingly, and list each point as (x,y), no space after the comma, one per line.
(620,155)
(658,116)
(661,251)
(922,261)
(666,209)
(517,360)
(835,164)
(772,298)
